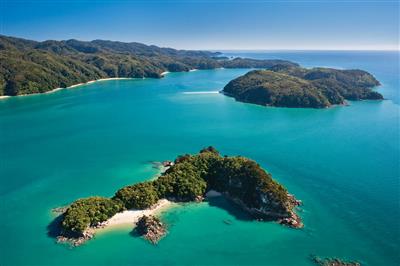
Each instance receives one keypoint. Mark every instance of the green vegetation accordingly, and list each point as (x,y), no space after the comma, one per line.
(239,178)
(292,86)
(35,67)
(139,196)
(89,212)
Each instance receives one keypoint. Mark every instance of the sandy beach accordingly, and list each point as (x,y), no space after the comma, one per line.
(130,217)
(92,81)
(70,87)
(165,73)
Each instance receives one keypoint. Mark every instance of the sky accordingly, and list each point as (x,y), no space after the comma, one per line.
(213,25)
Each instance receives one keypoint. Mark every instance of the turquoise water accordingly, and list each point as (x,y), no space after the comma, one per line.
(343,162)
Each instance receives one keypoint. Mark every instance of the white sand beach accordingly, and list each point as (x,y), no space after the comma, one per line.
(56,89)
(130,217)
(70,87)
(165,73)
(93,81)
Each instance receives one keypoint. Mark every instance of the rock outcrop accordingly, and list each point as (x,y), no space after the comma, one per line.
(151,228)
(333,262)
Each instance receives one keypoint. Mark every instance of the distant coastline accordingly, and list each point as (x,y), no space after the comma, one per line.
(76,85)
(65,62)
(69,87)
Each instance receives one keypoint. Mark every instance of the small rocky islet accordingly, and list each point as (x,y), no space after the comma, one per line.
(333,262)
(151,228)
(187,179)
(295,86)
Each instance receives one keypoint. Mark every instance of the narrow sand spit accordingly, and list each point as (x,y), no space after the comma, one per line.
(91,81)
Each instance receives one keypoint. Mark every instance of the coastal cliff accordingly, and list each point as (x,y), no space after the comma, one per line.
(189,178)
(292,86)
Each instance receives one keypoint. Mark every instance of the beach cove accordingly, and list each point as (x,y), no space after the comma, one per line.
(81,84)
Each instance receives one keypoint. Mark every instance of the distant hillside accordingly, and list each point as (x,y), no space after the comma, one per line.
(293,86)
(34,67)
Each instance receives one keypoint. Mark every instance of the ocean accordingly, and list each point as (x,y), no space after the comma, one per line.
(342,162)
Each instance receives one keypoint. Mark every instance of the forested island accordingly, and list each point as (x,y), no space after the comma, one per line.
(294,86)
(28,66)
(189,178)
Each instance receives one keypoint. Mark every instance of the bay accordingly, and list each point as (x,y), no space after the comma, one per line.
(343,162)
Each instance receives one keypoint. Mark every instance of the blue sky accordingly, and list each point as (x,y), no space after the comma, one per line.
(207,24)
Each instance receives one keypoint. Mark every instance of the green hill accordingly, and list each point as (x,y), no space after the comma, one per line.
(293,86)
(34,67)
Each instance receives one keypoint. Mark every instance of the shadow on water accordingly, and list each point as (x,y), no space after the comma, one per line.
(231,208)
(134,233)
(54,228)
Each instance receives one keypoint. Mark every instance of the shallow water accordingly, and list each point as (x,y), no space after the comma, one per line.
(343,162)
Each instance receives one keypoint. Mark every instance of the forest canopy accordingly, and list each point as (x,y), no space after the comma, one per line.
(35,67)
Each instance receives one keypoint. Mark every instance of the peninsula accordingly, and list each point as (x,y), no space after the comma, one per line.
(189,178)
(294,86)
(28,67)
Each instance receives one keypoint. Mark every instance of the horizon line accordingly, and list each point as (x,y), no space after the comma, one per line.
(301,49)
(224,49)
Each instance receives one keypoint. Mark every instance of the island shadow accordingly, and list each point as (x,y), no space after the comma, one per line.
(222,203)
(134,232)
(54,228)
(230,207)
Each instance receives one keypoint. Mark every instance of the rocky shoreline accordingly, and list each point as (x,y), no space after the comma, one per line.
(76,240)
(123,218)
(152,229)
(333,262)
(292,220)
